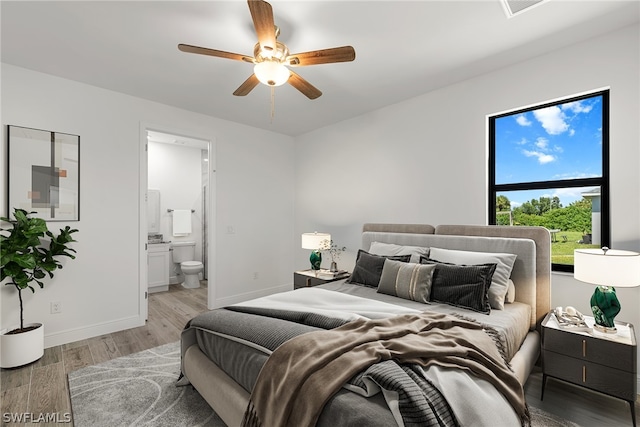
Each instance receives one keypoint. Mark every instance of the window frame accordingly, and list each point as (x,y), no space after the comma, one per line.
(603,182)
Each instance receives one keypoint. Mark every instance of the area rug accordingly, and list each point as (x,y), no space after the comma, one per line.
(139,390)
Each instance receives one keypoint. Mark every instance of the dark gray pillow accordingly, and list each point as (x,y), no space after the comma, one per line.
(465,286)
(406,280)
(369,268)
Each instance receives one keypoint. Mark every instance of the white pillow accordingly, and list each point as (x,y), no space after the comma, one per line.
(510,297)
(390,249)
(500,280)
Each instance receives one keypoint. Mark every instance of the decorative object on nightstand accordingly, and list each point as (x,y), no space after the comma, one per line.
(313,241)
(606,363)
(310,278)
(334,251)
(606,268)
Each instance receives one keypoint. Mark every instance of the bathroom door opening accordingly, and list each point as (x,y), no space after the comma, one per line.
(178,168)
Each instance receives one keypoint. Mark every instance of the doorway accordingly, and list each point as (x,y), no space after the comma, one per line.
(177,174)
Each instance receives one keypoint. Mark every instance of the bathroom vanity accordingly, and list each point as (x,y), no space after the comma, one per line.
(158,263)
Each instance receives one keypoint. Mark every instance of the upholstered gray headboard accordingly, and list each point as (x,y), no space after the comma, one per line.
(531,272)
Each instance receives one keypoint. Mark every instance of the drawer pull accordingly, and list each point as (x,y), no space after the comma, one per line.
(584,374)
(584,348)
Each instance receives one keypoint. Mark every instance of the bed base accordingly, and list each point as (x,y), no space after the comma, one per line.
(230,401)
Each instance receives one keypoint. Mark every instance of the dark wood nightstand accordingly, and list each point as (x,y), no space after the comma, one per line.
(606,363)
(308,278)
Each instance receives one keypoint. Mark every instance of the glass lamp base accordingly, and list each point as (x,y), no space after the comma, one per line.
(605,306)
(316,260)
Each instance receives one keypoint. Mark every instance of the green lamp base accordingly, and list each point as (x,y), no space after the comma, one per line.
(316,260)
(605,307)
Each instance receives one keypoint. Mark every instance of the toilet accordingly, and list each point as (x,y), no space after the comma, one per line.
(183,254)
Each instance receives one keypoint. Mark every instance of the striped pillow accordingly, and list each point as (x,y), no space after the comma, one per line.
(369,267)
(410,281)
(465,286)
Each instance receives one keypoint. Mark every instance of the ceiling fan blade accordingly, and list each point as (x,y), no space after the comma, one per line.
(303,86)
(323,56)
(247,86)
(262,15)
(213,52)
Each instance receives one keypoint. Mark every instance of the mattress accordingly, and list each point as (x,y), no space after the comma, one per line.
(242,353)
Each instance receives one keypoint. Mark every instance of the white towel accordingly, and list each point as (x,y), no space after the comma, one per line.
(181,222)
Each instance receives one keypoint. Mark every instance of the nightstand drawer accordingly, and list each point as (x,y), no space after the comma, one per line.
(301,281)
(596,350)
(612,381)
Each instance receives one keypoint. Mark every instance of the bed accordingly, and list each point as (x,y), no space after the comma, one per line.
(224,350)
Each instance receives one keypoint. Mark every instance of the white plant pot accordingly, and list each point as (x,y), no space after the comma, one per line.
(22,349)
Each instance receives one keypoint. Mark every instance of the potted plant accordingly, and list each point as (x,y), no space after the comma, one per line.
(25,260)
(334,251)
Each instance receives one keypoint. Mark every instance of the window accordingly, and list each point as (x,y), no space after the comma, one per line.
(549,166)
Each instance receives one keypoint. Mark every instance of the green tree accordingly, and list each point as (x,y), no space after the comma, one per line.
(503,204)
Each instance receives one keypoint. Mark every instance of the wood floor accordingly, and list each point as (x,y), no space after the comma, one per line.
(41,388)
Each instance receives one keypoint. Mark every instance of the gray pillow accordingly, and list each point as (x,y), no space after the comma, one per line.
(406,280)
(500,281)
(465,286)
(369,268)
(389,249)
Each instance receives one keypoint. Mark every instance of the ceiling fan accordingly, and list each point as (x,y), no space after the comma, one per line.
(271,57)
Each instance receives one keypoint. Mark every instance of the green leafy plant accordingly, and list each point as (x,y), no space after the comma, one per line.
(24,257)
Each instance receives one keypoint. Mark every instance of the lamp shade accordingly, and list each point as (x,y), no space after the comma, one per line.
(313,241)
(607,267)
(271,73)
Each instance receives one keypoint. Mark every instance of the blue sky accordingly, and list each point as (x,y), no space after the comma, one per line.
(563,141)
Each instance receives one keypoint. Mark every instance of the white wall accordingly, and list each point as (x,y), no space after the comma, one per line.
(425,160)
(99,290)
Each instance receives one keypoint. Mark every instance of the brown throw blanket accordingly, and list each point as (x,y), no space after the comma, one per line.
(303,373)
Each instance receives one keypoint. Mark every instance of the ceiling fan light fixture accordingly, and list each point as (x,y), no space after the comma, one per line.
(271,73)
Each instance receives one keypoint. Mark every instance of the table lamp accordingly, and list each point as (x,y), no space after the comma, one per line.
(314,241)
(606,268)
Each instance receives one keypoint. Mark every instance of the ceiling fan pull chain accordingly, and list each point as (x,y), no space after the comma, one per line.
(273,102)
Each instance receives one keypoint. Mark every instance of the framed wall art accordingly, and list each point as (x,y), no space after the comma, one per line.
(44,173)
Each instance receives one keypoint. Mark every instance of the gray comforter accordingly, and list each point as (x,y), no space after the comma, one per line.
(240,342)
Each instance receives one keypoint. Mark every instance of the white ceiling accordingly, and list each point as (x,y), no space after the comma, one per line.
(403,49)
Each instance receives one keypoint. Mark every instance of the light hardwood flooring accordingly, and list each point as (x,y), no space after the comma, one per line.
(42,387)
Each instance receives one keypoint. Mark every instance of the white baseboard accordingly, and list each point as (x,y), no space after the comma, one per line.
(234,299)
(71,335)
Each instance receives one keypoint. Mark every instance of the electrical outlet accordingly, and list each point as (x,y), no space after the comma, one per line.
(56,307)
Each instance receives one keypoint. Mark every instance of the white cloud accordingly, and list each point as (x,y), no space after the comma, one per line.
(542,143)
(576,175)
(569,195)
(522,120)
(577,107)
(543,158)
(552,120)
(572,132)
(523,141)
